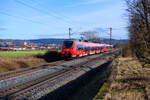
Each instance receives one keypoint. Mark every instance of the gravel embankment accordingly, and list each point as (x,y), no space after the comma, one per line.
(50,87)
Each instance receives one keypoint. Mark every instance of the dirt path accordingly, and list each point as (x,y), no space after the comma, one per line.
(129,81)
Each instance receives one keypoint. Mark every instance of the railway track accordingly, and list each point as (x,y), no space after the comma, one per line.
(22,71)
(24,88)
(40,83)
(9,91)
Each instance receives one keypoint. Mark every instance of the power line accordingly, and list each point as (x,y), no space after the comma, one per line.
(26,19)
(1,28)
(65,17)
(41,11)
(20,17)
(105,33)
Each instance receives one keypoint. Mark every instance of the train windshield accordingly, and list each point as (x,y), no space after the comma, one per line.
(68,44)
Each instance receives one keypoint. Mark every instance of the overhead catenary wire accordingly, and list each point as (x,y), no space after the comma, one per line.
(1,28)
(54,12)
(42,11)
(21,17)
(105,32)
(25,19)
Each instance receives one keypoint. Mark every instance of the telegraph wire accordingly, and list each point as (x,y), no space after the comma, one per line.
(1,28)
(22,18)
(41,11)
(26,19)
(65,17)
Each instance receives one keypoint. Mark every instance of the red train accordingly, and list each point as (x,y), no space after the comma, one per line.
(74,48)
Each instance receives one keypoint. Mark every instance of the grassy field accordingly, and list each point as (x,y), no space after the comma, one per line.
(19,54)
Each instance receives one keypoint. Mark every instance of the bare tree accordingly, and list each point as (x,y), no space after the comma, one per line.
(90,35)
(139,28)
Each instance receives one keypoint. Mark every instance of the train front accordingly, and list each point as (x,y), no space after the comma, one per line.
(67,48)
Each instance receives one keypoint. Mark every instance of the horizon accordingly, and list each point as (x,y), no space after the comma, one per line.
(58,38)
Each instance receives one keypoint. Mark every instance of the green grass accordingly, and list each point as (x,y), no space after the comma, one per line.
(19,54)
(105,87)
(127,91)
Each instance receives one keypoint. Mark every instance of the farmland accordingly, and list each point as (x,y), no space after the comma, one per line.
(19,54)
(12,60)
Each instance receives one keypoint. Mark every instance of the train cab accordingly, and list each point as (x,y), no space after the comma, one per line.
(68,48)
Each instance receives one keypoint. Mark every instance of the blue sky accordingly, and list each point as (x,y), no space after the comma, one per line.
(34,19)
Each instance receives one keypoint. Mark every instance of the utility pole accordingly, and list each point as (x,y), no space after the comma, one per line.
(100,37)
(82,36)
(110,36)
(70,33)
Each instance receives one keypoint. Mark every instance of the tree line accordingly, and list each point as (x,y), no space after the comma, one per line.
(139,28)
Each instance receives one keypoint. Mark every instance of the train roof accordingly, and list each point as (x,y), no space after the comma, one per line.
(88,43)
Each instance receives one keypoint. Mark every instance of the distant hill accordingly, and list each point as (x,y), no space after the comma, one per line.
(114,41)
(48,41)
(60,41)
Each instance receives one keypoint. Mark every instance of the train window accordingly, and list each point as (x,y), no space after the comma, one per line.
(88,48)
(95,48)
(92,48)
(68,44)
(79,47)
(84,49)
(103,47)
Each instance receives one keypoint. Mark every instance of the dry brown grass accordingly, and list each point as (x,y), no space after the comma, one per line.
(8,64)
(130,82)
